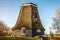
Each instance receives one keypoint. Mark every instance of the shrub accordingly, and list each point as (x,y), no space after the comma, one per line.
(56,38)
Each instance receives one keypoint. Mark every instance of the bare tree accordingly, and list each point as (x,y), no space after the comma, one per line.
(3,28)
(56,23)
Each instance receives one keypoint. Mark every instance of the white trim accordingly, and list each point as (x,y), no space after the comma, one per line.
(23,28)
(38,30)
(29,4)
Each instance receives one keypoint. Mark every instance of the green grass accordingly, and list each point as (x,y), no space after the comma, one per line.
(18,38)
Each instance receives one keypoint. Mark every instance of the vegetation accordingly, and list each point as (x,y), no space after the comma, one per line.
(3,29)
(56,23)
(56,38)
(18,38)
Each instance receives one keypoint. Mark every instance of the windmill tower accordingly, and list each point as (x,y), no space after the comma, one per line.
(28,21)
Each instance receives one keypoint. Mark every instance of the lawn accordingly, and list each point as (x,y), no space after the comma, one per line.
(19,38)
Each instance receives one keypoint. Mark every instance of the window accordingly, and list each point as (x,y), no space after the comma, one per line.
(34,18)
(38,30)
(23,31)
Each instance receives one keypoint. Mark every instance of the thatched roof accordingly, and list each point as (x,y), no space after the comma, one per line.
(25,18)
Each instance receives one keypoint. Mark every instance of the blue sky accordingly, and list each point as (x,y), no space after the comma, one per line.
(9,10)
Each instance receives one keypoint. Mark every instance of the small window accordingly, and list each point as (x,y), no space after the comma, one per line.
(38,30)
(23,31)
(34,18)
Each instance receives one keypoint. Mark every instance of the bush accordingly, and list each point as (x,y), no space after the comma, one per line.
(56,38)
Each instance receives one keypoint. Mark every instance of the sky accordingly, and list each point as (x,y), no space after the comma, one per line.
(9,10)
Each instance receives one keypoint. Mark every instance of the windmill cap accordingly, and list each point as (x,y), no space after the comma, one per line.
(25,4)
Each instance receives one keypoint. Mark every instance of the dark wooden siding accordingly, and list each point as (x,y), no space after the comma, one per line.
(35,33)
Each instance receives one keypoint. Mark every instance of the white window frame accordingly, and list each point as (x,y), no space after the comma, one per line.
(23,28)
(38,30)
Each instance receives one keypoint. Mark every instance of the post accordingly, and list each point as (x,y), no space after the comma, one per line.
(50,33)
